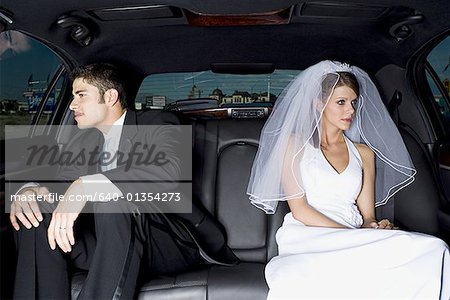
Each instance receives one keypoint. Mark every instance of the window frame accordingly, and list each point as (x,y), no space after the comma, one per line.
(437,81)
(419,65)
(63,70)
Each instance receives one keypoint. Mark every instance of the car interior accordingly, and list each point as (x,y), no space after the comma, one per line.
(391,40)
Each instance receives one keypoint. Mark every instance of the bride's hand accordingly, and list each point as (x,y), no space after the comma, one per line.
(383,224)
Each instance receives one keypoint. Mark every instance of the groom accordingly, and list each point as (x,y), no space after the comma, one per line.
(116,247)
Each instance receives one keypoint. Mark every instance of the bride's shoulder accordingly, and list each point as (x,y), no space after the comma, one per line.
(365,152)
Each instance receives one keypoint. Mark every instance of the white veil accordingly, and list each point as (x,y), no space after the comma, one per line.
(295,121)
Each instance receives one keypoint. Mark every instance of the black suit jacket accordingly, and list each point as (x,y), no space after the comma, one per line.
(131,177)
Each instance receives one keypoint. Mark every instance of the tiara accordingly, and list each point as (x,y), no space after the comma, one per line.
(344,67)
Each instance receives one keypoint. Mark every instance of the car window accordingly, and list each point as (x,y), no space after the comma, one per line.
(161,90)
(438,76)
(27,67)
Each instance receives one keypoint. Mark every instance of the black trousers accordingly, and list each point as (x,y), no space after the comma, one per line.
(115,248)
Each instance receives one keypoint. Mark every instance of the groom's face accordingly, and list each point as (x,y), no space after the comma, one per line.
(87,105)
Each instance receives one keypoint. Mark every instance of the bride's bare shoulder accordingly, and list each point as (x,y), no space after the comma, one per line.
(365,152)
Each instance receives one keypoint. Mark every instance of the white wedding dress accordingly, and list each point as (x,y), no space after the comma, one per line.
(328,263)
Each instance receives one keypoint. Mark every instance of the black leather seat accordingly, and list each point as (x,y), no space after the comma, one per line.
(417,205)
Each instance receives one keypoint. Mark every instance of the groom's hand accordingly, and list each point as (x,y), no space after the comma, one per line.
(25,208)
(60,230)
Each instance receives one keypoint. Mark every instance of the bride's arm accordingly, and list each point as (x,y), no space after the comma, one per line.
(309,216)
(366,201)
(299,207)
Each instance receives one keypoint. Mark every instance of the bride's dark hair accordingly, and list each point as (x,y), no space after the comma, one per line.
(345,79)
(348,79)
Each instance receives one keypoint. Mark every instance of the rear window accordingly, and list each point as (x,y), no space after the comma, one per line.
(229,90)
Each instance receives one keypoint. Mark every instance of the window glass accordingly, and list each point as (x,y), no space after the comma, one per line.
(439,59)
(26,69)
(160,90)
(444,107)
(50,105)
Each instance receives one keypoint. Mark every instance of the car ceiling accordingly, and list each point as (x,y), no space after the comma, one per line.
(150,40)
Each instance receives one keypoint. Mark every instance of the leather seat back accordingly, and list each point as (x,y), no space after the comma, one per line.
(224,151)
(417,205)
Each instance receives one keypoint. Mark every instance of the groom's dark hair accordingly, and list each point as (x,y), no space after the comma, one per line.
(104,77)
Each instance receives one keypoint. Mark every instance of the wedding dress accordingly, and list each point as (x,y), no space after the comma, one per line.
(353,263)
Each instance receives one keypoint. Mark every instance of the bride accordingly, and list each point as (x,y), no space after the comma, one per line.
(331,150)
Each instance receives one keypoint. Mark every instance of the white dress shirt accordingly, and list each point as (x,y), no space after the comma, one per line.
(98,184)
